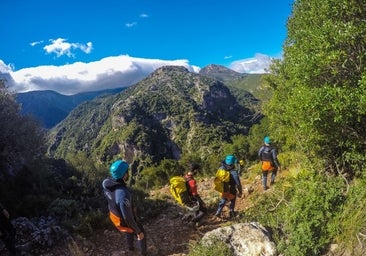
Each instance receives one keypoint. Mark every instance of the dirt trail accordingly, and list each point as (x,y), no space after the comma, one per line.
(166,234)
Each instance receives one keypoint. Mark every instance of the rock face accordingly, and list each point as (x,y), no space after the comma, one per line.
(243,239)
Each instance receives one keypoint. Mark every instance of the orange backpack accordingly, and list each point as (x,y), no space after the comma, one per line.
(267,166)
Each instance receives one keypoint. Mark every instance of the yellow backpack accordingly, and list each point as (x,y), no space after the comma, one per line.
(221,177)
(178,189)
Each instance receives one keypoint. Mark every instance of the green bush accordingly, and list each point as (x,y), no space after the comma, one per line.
(63,208)
(300,213)
(352,220)
(90,221)
(216,248)
(314,202)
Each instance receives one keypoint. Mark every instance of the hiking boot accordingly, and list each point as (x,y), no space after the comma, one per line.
(216,217)
(232,214)
(265,188)
(272,182)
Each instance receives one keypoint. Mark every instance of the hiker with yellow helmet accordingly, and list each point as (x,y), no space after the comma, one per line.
(120,205)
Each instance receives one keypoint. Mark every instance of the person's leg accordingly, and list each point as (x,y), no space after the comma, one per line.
(232,207)
(221,206)
(264,179)
(232,204)
(129,241)
(141,244)
(198,216)
(273,176)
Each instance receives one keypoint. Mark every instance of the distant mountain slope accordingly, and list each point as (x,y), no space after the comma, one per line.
(50,107)
(172,111)
(252,83)
(221,73)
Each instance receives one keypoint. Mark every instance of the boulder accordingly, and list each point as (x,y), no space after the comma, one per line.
(243,239)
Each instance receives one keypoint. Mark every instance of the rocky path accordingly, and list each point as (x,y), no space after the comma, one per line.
(166,234)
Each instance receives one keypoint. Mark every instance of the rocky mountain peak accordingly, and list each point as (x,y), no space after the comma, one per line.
(220,73)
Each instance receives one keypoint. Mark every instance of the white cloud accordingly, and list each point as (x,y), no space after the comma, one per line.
(107,73)
(144,15)
(130,25)
(5,68)
(35,43)
(61,47)
(86,48)
(259,64)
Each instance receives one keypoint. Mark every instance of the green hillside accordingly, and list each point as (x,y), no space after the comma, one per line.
(169,114)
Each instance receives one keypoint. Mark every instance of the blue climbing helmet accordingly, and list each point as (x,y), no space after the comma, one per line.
(230,159)
(267,140)
(118,169)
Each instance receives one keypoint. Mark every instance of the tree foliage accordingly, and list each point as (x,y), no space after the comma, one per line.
(318,105)
(21,138)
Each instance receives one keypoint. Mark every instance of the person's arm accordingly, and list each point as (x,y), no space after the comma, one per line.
(237,182)
(275,159)
(260,153)
(127,212)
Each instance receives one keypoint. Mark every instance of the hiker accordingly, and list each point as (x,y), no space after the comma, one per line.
(267,154)
(7,230)
(231,188)
(120,205)
(193,191)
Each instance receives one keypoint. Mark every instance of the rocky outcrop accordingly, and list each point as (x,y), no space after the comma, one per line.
(38,234)
(243,239)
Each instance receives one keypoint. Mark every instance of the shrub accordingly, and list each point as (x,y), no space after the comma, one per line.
(352,220)
(308,225)
(216,248)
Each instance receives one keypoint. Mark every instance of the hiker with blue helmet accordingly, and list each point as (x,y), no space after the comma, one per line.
(232,188)
(267,154)
(120,205)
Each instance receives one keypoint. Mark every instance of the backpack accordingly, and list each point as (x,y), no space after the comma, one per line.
(179,190)
(221,177)
(267,161)
(267,166)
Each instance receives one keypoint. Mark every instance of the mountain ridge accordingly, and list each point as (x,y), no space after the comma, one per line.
(50,107)
(172,111)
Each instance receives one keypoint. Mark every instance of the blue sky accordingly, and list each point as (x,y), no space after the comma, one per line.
(197,32)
